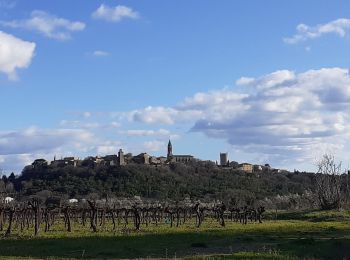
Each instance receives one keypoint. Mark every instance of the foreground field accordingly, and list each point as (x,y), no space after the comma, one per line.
(293,235)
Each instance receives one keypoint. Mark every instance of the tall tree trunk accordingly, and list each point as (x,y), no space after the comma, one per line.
(9,229)
(67,219)
(1,219)
(93,216)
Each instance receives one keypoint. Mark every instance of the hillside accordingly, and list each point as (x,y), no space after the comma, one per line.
(175,181)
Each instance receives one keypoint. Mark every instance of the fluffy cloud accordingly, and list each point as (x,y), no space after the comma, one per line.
(35,140)
(154,146)
(282,115)
(19,148)
(114,14)
(305,32)
(290,117)
(75,138)
(107,147)
(142,132)
(151,114)
(14,54)
(268,81)
(48,25)
(216,104)
(79,124)
(14,162)
(88,125)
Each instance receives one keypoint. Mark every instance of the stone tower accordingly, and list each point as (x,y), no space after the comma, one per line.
(121,157)
(223,159)
(170,150)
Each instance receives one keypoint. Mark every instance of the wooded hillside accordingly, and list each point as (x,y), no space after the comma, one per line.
(174,181)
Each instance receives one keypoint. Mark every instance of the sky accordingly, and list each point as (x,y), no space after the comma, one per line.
(265,81)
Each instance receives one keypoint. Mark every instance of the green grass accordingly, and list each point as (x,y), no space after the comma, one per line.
(293,235)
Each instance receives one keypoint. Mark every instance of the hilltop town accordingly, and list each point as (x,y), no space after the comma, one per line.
(122,159)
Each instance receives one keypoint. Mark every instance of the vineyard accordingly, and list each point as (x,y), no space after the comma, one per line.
(39,215)
(113,228)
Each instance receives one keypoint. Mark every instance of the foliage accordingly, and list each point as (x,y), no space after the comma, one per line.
(328,182)
(202,180)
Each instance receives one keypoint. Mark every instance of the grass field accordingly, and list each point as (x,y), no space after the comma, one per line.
(294,235)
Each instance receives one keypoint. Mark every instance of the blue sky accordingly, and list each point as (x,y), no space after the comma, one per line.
(265,81)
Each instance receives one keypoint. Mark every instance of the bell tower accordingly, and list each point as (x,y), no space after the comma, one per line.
(170,150)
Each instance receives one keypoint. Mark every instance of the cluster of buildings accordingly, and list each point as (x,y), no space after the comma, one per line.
(246,167)
(121,159)
(117,159)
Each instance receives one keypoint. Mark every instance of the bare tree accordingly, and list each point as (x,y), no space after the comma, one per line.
(328,182)
(36,208)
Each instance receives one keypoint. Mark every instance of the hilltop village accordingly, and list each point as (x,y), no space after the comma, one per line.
(122,159)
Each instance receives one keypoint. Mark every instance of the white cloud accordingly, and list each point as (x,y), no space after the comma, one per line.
(14,54)
(216,104)
(305,32)
(86,114)
(115,14)
(154,115)
(15,162)
(143,132)
(88,125)
(108,147)
(49,25)
(79,124)
(34,140)
(154,146)
(100,53)
(244,81)
(267,81)
(20,147)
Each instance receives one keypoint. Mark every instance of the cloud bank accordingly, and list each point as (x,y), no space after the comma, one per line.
(14,54)
(35,140)
(20,147)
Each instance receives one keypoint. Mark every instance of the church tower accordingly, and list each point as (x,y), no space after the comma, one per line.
(170,150)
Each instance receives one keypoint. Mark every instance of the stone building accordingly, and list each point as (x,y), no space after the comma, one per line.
(73,161)
(153,160)
(121,159)
(246,167)
(110,160)
(224,159)
(182,158)
(142,158)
